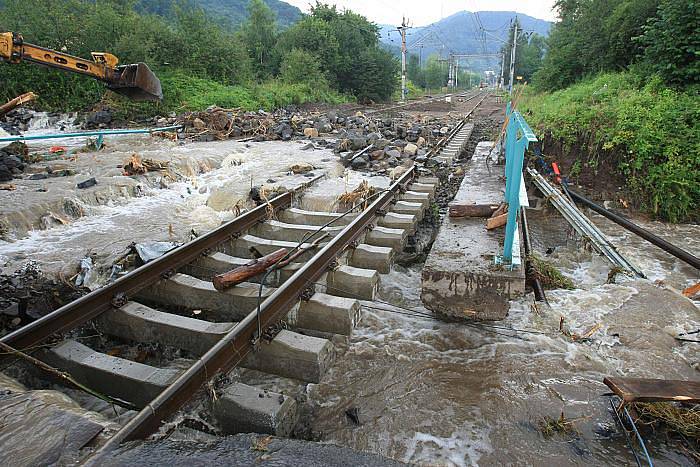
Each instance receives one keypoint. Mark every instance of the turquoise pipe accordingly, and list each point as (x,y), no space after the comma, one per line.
(9,139)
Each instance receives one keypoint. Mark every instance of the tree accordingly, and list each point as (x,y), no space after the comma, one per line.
(672,42)
(300,66)
(435,73)
(259,34)
(414,71)
(533,52)
(376,75)
(599,35)
(347,47)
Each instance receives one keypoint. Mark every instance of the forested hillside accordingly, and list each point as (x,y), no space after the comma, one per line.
(229,13)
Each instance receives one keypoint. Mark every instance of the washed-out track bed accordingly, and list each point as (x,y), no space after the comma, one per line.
(285,327)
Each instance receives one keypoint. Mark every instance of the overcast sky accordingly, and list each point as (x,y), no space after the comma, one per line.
(424,12)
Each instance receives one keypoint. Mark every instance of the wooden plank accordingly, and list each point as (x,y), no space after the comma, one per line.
(495,222)
(654,390)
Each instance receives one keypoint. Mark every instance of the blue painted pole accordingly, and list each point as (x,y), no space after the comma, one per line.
(101,133)
(513,197)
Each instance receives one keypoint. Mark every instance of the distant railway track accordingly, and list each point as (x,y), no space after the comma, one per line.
(405,105)
(279,328)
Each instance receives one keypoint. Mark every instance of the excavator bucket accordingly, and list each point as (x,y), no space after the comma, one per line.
(136,82)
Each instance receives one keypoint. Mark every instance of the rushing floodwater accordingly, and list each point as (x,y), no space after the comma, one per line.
(448,394)
(429,392)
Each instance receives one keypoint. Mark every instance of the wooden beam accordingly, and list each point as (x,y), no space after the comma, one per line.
(654,390)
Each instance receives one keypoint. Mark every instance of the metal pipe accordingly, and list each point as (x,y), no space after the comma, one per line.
(634,228)
(529,268)
(9,139)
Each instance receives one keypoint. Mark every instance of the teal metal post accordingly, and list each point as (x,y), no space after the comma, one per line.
(518,137)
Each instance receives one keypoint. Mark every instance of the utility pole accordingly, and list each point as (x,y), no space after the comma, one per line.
(402,30)
(512,57)
(503,63)
(456,73)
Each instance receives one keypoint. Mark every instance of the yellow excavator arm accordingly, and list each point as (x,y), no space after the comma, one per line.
(136,81)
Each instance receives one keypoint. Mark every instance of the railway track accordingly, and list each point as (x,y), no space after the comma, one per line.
(449,148)
(468,95)
(281,327)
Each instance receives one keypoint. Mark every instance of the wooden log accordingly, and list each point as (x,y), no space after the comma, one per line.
(16,102)
(252,269)
(495,222)
(471,210)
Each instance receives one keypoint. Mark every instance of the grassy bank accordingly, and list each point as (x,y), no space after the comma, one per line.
(181,92)
(648,133)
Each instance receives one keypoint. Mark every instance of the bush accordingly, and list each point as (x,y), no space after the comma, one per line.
(651,130)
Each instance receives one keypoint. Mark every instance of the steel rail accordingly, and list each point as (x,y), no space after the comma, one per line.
(668,247)
(443,142)
(582,224)
(237,343)
(101,300)
(421,101)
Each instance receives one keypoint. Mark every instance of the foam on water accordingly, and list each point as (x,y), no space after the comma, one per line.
(169,214)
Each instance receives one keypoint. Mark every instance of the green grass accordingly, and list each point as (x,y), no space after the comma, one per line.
(651,132)
(187,93)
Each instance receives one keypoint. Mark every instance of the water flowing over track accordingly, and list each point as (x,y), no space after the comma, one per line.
(281,327)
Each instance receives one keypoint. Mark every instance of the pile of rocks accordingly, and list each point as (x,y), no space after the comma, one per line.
(11,161)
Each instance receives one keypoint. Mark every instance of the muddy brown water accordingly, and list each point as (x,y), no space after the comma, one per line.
(435,393)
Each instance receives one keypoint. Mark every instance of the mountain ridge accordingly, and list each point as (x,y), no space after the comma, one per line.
(460,33)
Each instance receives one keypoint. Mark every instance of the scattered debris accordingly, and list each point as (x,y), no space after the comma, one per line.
(87,275)
(676,417)
(252,269)
(87,183)
(261,444)
(363,191)
(301,168)
(549,276)
(150,251)
(549,426)
(8,187)
(27,294)
(138,166)
(692,291)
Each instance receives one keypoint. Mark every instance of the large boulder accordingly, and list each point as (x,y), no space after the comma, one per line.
(360,162)
(358,142)
(410,149)
(302,168)
(311,132)
(381,143)
(393,153)
(377,155)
